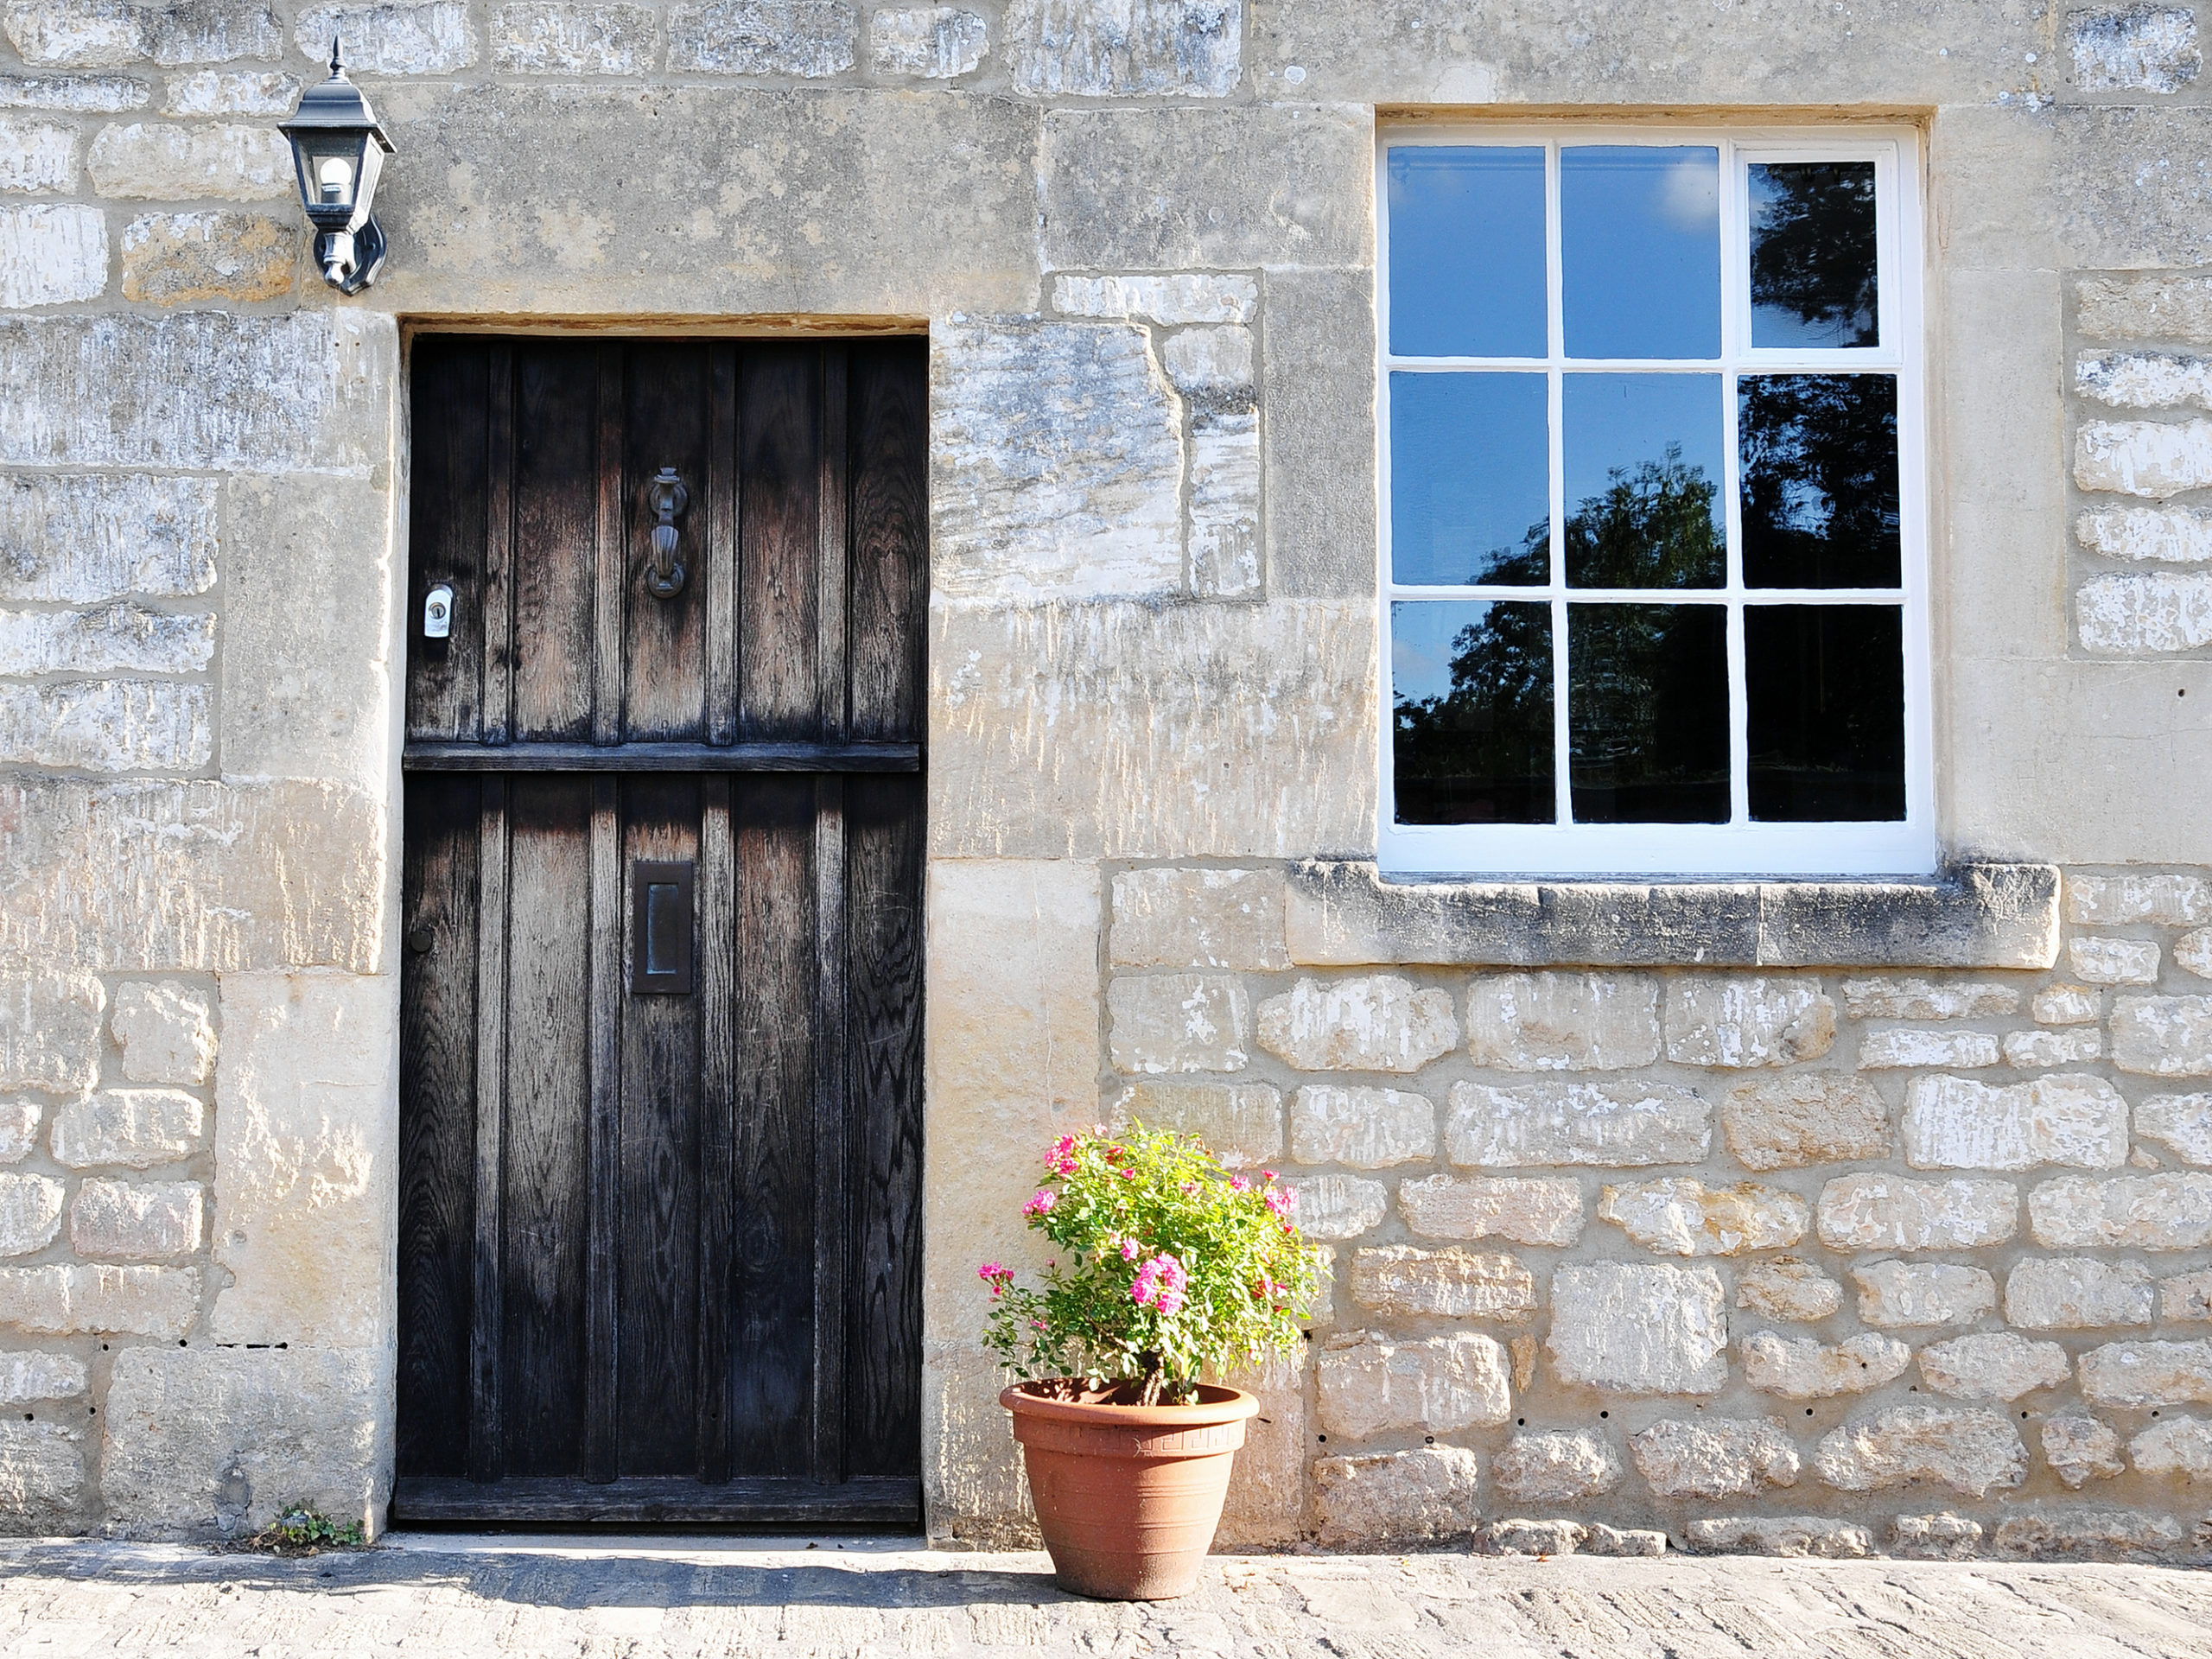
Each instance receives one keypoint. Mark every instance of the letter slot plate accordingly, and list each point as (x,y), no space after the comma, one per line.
(660,927)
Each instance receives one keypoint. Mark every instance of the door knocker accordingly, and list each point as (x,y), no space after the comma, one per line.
(665,497)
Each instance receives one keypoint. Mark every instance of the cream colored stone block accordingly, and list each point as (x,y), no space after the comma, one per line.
(1366,1384)
(80,538)
(1935,1537)
(1200,918)
(135,1127)
(543,37)
(2141,48)
(1893,1294)
(1526,1211)
(41,1476)
(811,39)
(1319,365)
(30,1212)
(1267,1500)
(2160,534)
(194,258)
(122,638)
(136,1220)
(2030,1050)
(1908,1045)
(49,1028)
(82,94)
(931,42)
(1924,998)
(1396,1497)
(26,1378)
(2163,1036)
(2193,952)
(1633,1329)
(2181,1123)
(165,1032)
(1958,1123)
(2144,380)
(216,91)
(1681,1216)
(2114,962)
(1780,1535)
(2139,1374)
(1971,1449)
(1992,1365)
(2067,1005)
(2076,1293)
(63,1297)
(1563,1022)
(1241,1123)
(973,1490)
(394,37)
(1800,1368)
(51,253)
(2092,1534)
(106,726)
(1443,1284)
(1809,1117)
(1337,1206)
(2126,1212)
(2150,896)
(1367,1128)
(148,161)
(2151,458)
(36,157)
(2080,1449)
(1556,1468)
(1886,1212)
(19,1121)
(2180,1448)
(1224,538)
(1132,48)
(1738,1021)
(97,34)
(2145,305)
(1610,1124)
(1378,1023)
(1715,1456)
(1786,1288)
(1179,1022)
(2186,1298)
(1179,298)
(306,1135)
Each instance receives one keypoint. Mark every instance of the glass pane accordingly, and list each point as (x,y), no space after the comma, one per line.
(1467,251)
(1820,479)
(1647,711)
(664,920)
(1469,479)
(1643,473)
(1813,254)
(1472,684)
(1826,691)
(1640,250)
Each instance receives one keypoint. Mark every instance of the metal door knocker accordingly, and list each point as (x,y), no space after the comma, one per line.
(666,497)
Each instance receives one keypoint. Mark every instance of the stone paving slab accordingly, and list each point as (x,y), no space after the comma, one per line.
(446,1595)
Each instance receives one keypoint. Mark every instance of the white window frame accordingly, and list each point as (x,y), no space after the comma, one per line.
(1741,846)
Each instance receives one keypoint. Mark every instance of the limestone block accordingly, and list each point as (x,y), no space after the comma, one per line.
(122,637)
(1396,1497)
(18,1130)
(2193,952)
(216,91)
(79,94)
(1524,1537)
(2030,1050)
(1639,1330)
(1183,297)
(1368,1384)
(1380,1023)
(392,37)
(1809,1117)
(49,1029)
(1887,1213)
(1212,365)
(51,253)
(2137,1374)
(1902,1046)
(1614,1125)
(36,156)
(202,1441)
(934,42)
(100,33)
(1779,1535)
(2132,48)
(75,539)
(1525,1211)
(1338,1206)
(305,1102)
(1992,1365)
(1224,535)
(31,1213)
(2066,1005)
(2163,1036)
(1944,1537)
(2162,535)
(1241,1123)
(1970,1449)
(2090,1534)
(1786,1288)
(2144,380)
(1925,998)
(135,1127)
(2169,900)
(1892,1294)
(1555,1468)
(1318,210)
(165,1032)
(63,1297)
(106,726)
(1716,1457)
(1681,1216)
(1737,1021)
(2180,1448)
(190,258)
(2126,1212)
(1200,918)
(1958,1123)
(1563,1022)
(1443,1284)
(28,1377)
(1799,1367)
(1367,1128)
(1125,48)
(1179,1022)
(149,160)
(2144,614)
(2181,1123)
(2154,305)
(808,38)
(2114,962)
(1267,1501)
(136,1220)
(2080,1449)
(975,1490)
(1319,361)
(2153,458)
(2186,1298)
(41,1476)
(551,37)
(1057,464)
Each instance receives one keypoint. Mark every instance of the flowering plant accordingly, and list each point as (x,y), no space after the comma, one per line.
(1169,1267)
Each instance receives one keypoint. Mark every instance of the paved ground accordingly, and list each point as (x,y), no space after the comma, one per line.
(476,1597)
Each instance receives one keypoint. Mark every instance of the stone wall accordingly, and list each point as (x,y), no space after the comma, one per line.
(1578,1191)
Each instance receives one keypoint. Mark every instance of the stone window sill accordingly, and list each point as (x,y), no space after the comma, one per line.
(1347,914)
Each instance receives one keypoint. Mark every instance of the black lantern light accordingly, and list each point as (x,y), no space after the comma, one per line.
(338,149)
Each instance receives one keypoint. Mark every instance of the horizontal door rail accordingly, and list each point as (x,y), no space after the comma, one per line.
(873,1502)
(662,757)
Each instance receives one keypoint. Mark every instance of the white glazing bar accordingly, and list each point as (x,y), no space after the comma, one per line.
(1554,337)
(1665,595)
(1735,333)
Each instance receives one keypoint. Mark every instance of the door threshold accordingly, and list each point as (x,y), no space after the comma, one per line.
(874,1503)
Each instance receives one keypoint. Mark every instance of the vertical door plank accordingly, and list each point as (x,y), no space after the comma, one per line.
(546,1191)
(484,1441)
(772,1340)
(887,586)
(445,523)
(718,549)
(718,1194)
(499,602)
(830,560)
(832,1198)
(883,859)
(437,1036)
(602,1139)
(610,554)
(780,482)
(555,517)
(667,423)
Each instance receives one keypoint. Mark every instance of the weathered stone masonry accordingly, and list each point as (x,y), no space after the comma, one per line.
(1773,1215)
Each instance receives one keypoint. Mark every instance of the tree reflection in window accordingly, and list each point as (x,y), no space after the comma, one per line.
(1814,254)
(1820,480)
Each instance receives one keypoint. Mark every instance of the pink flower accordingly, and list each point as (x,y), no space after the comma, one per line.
(1238,1183)
(1160,1284)
(1282,1200)
(997,1277)
(1045,1200)
(1268,1175)
(1061,1160)
(1130,1249)
(1129,1174)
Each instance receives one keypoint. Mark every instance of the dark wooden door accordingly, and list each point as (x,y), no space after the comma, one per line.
(660,1110)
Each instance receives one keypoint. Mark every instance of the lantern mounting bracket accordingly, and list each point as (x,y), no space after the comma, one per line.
(338,152)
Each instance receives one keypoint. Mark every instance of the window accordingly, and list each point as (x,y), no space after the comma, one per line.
(1653,538)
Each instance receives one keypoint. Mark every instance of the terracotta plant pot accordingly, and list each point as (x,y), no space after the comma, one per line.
(1128,1497)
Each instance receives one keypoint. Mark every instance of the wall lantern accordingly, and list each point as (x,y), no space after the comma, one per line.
(339,150)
